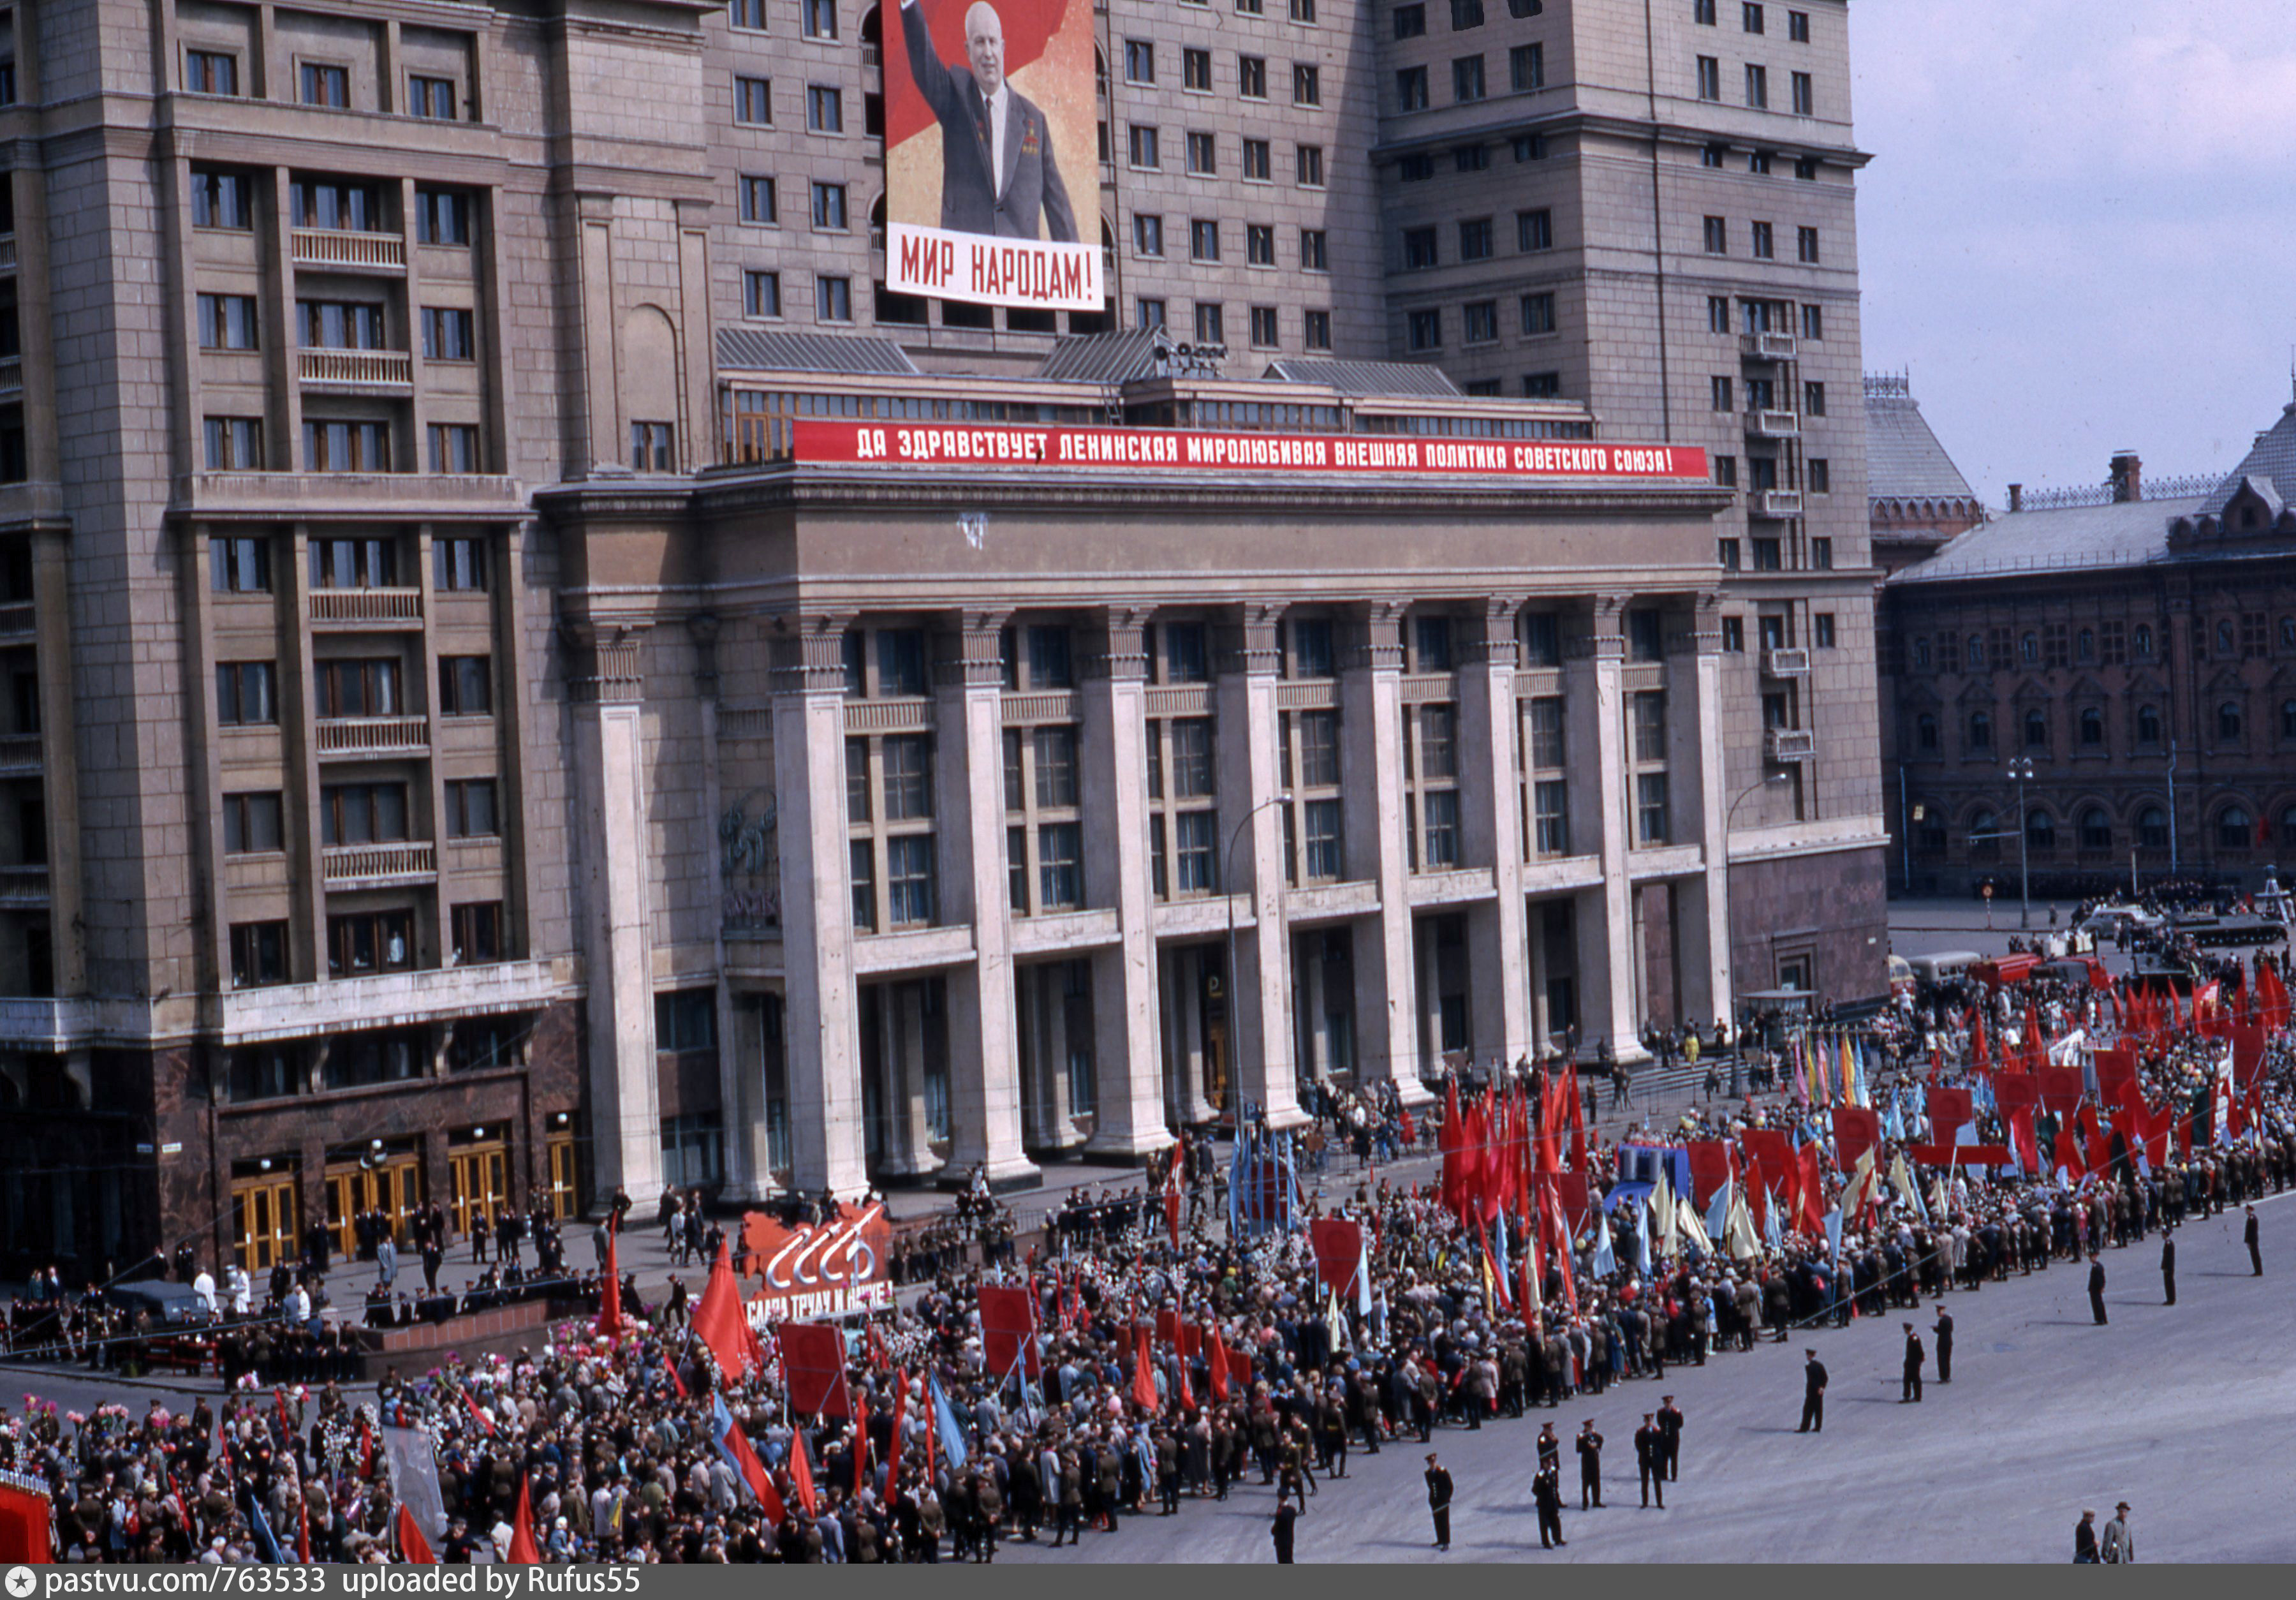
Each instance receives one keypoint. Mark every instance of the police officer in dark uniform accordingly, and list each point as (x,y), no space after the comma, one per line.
(1590,1467)
(1813,1394)
(2168,1266)
(2097,1288)
(1911,1393)
(1547,1489)
(1943,1329)
(1438,1501)
(1650,1459)
(1669,1423)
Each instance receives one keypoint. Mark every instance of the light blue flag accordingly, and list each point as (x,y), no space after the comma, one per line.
(1893,1126)
(951,1430)
(1718,1214)
(1773,1230)
(1643,1237)
(1606,1259)
(1833,1232)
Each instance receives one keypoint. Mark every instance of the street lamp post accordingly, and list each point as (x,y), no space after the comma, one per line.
(2021,769)
(1766,780)
(1227,887)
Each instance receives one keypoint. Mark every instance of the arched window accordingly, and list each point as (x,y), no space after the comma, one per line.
(1921,655)
(1982,827)
(2095,829)
(2153,828)
(2288,719)
(1925,732)
(1981,730)
(2029,647)
(2288,633)
(2228,720)
(1976,652)
(2148,725)
(2036,730)
(1933,834)
(2040,828)
(2092,727)
(2143,641)
(2233,828)
(2084,646)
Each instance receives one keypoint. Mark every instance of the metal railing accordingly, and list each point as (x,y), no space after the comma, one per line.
(366,605)
(380,863)
(17,619)
(2104,494)
(19,752)
(24,885)
(344,246)
(373,735)
(361,367)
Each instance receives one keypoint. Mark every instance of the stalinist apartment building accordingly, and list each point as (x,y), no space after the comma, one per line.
(477,731)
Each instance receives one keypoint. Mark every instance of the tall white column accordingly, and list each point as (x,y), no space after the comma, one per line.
(625,1096)
(821,1021)
(1127,1066)
(1371,767)
(1595,701)
(984,1066)
(1182,974)
(1490,824)
(1695,751)
(1260,1008)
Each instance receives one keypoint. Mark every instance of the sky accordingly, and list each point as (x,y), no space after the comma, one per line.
(2076,230)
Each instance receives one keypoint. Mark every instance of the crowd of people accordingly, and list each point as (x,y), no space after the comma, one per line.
(1172,1363)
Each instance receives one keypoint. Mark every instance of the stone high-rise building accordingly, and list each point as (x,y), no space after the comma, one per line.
(457,753)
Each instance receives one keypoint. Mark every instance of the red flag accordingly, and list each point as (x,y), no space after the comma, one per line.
(1172,1196)
(1855,1130)
(1339,1247)
(366,1449)
(1758,1195)
(1980,1055)
(523,1552)
(1949,1110)
(1450,1139)
(287,1428)
(893,1450)
(1812,1219)
(1551,1208)
(670,1364)
(1577,1121)
(812,1369)
(720,1322)
(412,1546)
(1008,1332)
(1187,1393)
(802,1473)
(1144,1377)
(861,1443)
(753,1472)
(2067,1153)
(484,1421)
(303,1531)
(1709,1170)
(610,1297)
(2100,1149)
(2028,1142)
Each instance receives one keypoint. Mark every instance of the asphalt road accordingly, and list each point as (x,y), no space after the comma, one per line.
(2188,1413)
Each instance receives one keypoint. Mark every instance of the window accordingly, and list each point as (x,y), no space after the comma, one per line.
(362,813)
(1822,629)
(470,809)
(1709,79)
(1147,235)
(761,205)
(251,824)
(1139,62)
(685,1020)
(1757,162)
(1251,76)
(1184,653)
(1520,9)
(1411,89)
(2233,828)
(2148,725)
(1805,98)
(1258,165)
(2040,828)
(1727,551)
(466,685)
(1466,15)
(1527,68)
(1813,400)
(1981,730)
(442,217)
(1726,470)
(1798,26)
(1702,13)
(1541,634)
(1751,15)
(211,72)
(259,957)
(1535,231)
(227,322)
(1819,469)
(1645,637)
(431,97)
(825,110)
(1718,236)
(1312,657)
(1410,20)
(1303,10)
(1813,322)
(1316,330)
(909,879)
(1419,248)
(454,447)
(1757,87)
(1307,84)
(829,206)
(1538,312)
(2153,828)
(1211,323)
(861,864)
(1806,245)
(1143,150)
(235,444)
(1311,166)
(341,325)
(1059,864)
(2092,728)
(832,299)
(477,931)
(1203,240)
(2036,730)
(326,86)
(346,447)
(1471,158)
(1762,241)
(1426,330)
(761,295)
(1480,320)
(1203,155)
(1650,808)
(2143,641)
(819,20)
(222,200)
(2228,721)
(1925,732)
(247,694)
(1196,70)
(653,448)
(1416,168)
(1150,312)
(448,334)
(1475,239)
(1324,859)
(753,101)
(1259,245)
(1530,147)
(1821,555)
(1721,389)
(1467,77)
(907,761)
(749,15)
(1550,818)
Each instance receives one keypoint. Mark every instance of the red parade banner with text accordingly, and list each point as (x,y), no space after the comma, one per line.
(817,1269)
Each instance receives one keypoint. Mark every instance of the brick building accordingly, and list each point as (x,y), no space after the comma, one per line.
(1915,498)
(459,751)
(2137,642)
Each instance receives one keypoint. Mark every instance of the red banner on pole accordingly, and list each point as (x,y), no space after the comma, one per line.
(1339,1251)
(813,1367)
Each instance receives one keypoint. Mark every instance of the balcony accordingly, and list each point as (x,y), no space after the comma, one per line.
(19,755)
(1766,347)
(379,866)
(356,369)
(365,608)
(11,376)
(1785,660)
(415,496)
(345,248)
(18,621)
(7,252)
(24,888)
(358,738)
(1773,424)
(1789,744)
(386,999)
(1773,504)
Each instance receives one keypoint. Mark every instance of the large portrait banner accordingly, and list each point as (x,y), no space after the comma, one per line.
(989,117)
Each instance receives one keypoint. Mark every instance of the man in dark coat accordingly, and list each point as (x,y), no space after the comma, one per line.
(1438,1501)
(1590,1467)
(1911,1392)
(997,171)
(2255,1255)
(1813,1394)
(1650,1459)
(1546,1489)
(1943,1328)
(2168,1268)
(2097,1288)
(1669,1424)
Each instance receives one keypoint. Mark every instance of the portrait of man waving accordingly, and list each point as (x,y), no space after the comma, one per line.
(998,172)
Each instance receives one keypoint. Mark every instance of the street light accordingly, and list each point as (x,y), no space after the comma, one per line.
(2020,770)
(1227,887)
(1767,780)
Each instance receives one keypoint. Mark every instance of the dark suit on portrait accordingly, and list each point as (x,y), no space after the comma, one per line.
(971,201)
